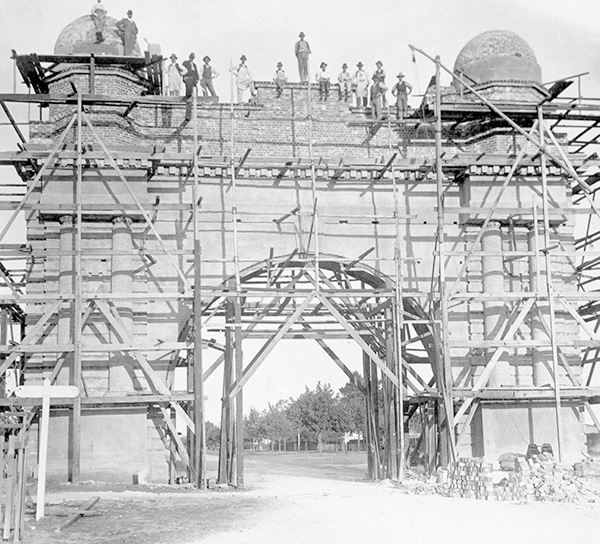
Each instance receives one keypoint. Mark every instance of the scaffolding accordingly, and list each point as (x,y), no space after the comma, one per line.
(306,292)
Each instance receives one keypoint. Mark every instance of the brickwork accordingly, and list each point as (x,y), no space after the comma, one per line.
(357,209)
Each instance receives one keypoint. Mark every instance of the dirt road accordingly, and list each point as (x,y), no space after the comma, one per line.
(317,499)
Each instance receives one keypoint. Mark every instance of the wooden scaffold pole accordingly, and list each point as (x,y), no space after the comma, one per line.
(549,288)
(75,434)
(397,318)
(238,427)
(447,450)
(199,461)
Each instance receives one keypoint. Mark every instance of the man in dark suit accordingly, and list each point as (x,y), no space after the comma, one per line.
(191,76)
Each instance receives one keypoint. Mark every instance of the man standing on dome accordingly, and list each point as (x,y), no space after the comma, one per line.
(128,31)
(99,18)
(302,50)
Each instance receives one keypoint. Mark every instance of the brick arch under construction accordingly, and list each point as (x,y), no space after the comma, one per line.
(323,298)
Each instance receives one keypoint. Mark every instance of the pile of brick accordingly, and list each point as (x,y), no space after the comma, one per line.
(540,479)
(588,468)
(471,479)
(543,479)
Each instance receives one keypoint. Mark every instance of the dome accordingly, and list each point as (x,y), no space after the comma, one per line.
(79,37)
(498,55)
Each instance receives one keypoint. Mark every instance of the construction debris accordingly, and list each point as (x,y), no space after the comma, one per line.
(83,511)
(536,479)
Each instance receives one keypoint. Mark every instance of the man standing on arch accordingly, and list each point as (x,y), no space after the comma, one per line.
(302,50)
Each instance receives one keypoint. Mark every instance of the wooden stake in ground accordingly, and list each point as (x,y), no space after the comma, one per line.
(45,392)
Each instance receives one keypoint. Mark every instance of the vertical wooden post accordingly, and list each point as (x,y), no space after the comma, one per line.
(43,450)
(393,454)
(10,486)
(76,416)
(368,441)
(549,288)
(225,443)
(3,341)
(92,74)
(239,399)
(199,423)
(448,451)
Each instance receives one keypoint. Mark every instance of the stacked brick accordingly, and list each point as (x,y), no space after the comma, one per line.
(471,479)
(534,480)
(546,480)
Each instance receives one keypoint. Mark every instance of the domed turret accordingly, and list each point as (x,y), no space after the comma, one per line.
(79,38)
(498,55)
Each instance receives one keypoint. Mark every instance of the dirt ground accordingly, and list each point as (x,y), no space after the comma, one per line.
(299,498)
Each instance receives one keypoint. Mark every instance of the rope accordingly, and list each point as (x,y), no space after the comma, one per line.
(515,423)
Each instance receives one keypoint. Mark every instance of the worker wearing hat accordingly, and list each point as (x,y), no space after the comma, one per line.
(243,78)
(208,74)
(345,81)
(128,31)
(324,81)
(401,90)
(302,50)
(280,79)
(360,85)
(378,90)
(174,73)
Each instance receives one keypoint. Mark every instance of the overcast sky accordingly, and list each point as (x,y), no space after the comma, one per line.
(565,37)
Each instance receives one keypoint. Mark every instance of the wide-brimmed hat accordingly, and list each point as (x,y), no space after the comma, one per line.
(173,56)
(280,64)
(400,75)
(301,35)
(243,57)
(206,58)
(129,11)
(379,62)
(359,64)
(322,64)
(344,65)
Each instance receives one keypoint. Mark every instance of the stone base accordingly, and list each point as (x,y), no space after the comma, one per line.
(510,427)
(116,446)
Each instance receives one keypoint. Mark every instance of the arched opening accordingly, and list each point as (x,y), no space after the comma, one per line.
(301,297)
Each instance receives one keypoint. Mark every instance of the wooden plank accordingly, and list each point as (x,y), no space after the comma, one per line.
(269,346)
(10,485)
(31,335)
(376,359)
(485,375)
(116,322)
(78,515)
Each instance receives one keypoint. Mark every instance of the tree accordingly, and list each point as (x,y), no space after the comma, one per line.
(277,425)
(318,412)
(352,405)
(254,427)
(213,436)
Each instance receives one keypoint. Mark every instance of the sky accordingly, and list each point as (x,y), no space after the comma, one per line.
(565,38)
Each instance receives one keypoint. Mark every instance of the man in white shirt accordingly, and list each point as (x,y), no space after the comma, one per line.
(98,12)
(324,81)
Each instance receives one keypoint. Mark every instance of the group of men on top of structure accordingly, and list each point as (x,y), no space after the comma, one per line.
(187,74)
(357,83)
(126,27)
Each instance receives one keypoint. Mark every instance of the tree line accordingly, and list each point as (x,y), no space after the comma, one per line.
(318,415)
